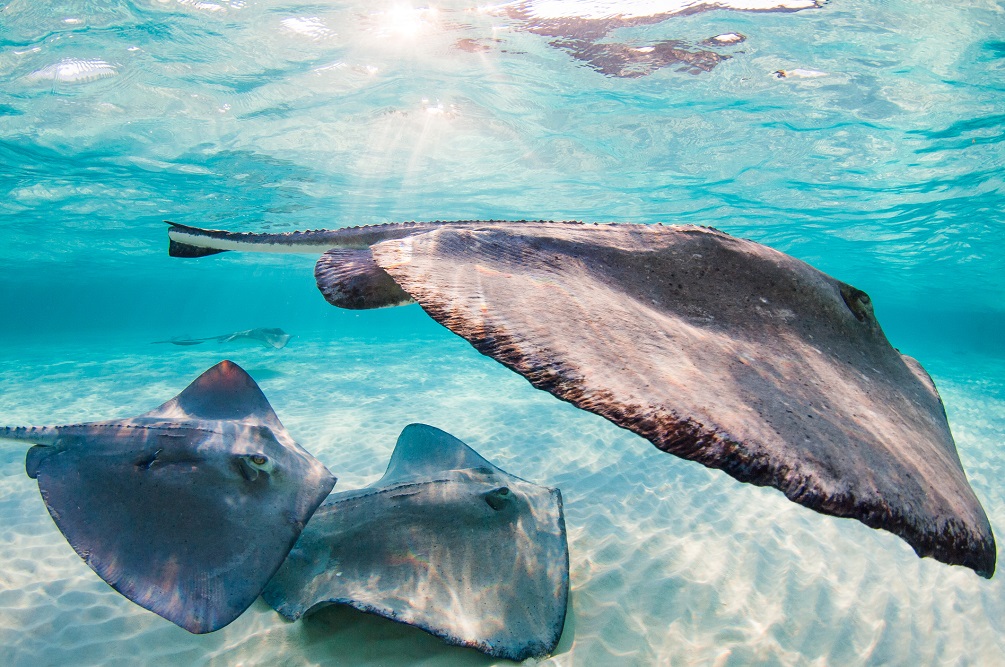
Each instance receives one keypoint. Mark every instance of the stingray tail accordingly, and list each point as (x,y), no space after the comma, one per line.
(181,237)
(188,241)
(179,340)
(40,435)
(43,438)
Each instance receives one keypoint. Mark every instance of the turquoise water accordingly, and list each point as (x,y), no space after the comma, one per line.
(879,160)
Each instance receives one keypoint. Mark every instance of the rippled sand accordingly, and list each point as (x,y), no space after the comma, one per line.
(671,563)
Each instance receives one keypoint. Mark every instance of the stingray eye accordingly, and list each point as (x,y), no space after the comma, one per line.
(254,466)
(498,498)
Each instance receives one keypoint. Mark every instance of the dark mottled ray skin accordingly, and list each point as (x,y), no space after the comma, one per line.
(715,349)
(582,38)
(629,62)
(578,27)
(349,278)
(186,510)
(444,541)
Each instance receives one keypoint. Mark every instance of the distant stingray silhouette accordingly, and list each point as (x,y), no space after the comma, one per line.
(276,338)
(713,348)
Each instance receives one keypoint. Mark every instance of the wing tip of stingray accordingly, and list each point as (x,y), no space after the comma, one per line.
(950,539)
(199,626)
(959,546)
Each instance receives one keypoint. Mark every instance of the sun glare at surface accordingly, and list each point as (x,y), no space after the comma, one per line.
(405,21)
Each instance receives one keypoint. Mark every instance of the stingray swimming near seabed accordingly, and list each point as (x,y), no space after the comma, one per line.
(187,510)
(269,337)
(713,348)
(444,541)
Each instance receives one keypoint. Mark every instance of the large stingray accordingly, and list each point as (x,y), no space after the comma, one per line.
(444,541)
(187,510)
(713,348)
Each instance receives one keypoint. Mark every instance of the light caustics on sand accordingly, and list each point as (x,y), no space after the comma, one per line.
(716,349)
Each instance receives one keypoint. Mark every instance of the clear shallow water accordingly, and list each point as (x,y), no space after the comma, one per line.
(886,172)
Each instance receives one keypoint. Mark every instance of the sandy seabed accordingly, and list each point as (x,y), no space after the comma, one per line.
(671,563)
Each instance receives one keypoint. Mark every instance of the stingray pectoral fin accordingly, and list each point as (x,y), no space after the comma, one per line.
(718,350)
(186,511)
(474,556)
(349,278)
(277,340)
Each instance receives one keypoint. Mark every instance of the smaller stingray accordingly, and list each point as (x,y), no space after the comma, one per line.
(444,541)
(269,337)
(187,510)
